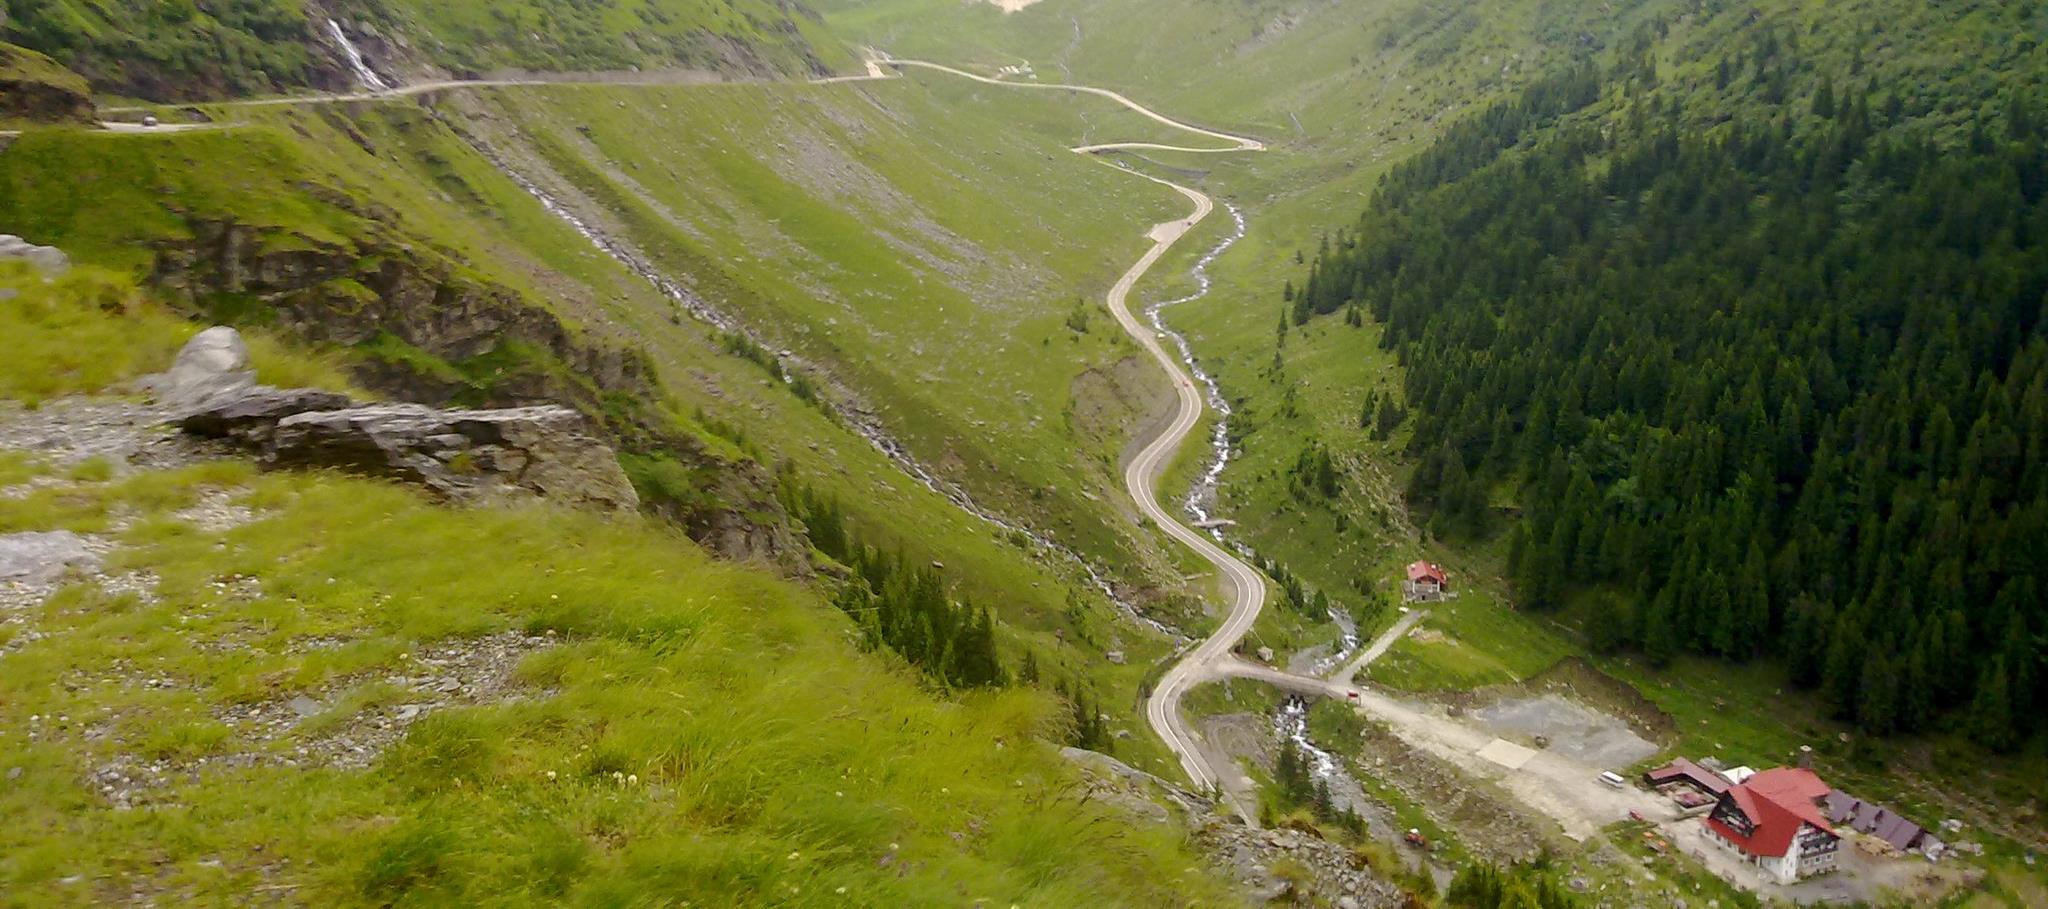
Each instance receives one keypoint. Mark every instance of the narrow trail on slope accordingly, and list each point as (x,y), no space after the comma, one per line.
(1247,586)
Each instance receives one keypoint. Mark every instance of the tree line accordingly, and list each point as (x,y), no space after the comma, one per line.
(1777,382)
(912,610)
(1520,886)
(1297,788)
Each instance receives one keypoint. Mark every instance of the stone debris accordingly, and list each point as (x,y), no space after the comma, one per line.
(1337,876)
(450,673)
(455,673)
(1113,782)
(19,596)
(66,431)
(34,564)
(216,512)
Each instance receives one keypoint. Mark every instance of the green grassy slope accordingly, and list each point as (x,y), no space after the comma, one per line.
(653,723)
(752,36)
(172,50)
(412,183)
(928,243)
(35,89)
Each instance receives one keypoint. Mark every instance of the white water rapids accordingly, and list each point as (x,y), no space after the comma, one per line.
(1290,723)
(1201,498)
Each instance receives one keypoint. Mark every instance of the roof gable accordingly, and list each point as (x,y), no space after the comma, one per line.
(1778,803)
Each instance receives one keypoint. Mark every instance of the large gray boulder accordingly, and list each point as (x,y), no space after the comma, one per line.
(49,260)
(214,360)
(466,455)
(39,558)
(214,364)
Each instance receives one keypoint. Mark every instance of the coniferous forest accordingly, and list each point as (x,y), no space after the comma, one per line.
(1762,365)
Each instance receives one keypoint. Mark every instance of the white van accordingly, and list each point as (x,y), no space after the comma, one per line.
(1613,779)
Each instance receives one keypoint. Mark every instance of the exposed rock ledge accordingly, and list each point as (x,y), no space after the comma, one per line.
(462,455)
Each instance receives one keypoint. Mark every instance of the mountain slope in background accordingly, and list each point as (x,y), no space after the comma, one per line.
(183,50)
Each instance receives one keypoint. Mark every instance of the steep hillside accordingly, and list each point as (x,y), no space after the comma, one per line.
(358,225)
(185,50)
(326,690)
(34,89)
(753,37)
(851,223)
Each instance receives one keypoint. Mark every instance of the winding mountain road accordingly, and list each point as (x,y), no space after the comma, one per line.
(1210,658)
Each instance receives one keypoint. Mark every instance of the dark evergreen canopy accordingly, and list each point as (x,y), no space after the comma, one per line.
(1775,362)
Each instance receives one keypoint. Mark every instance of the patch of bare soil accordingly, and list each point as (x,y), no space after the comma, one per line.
(1567,727)
(1580,681)
(1487,821)
(1575,680)
(1127,400)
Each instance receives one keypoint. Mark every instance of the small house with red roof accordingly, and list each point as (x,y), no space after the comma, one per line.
(1774,820)
(1426,583)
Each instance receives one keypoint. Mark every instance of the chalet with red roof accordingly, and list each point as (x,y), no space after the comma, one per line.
(1775,821)
(1426,583)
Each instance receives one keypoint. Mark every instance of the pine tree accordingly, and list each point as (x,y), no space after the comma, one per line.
(1877,704)
(1660,629)
(1991,719)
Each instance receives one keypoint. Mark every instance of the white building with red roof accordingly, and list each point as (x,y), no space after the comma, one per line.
(1774,820)
(1426,582)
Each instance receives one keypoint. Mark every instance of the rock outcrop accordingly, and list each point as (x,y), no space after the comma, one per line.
(484,345)
(462,455)
(49,260)
(35,89)
(367,291)
(1297,866)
